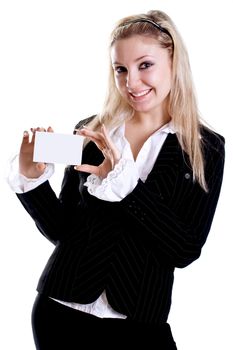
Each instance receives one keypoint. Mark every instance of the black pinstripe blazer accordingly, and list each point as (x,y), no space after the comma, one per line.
(129,248)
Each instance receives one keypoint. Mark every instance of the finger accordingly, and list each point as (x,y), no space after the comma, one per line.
(108,140)
(110,144)
(40,166)
(95,136)
(50,129)
(34,130)
(25,137)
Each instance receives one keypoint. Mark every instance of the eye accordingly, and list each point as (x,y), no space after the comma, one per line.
(120,69)
(146,65)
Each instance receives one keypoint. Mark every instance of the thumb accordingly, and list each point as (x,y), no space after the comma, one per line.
(92,169)
(41,166)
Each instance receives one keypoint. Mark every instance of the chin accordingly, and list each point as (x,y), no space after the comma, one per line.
(142,109)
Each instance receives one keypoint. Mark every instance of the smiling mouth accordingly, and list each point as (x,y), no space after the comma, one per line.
(140,95)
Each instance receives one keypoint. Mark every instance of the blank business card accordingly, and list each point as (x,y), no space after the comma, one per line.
(52,147)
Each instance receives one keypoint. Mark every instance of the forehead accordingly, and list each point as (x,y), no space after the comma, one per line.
(134,47)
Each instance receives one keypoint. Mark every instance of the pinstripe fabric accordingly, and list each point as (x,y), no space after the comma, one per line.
(129,248)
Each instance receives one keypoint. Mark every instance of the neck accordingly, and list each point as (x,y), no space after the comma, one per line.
(140,127)
(148,121)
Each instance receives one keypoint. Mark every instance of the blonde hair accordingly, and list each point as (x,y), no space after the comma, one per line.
(182,106)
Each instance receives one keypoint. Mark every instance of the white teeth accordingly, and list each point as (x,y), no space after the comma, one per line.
(140,93)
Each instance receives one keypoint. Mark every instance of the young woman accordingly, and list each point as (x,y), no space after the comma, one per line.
(140,205)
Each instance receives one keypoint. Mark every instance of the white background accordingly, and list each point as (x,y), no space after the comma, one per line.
(53,70)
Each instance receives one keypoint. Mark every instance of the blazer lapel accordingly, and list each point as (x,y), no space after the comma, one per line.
(169,156)
(163,175)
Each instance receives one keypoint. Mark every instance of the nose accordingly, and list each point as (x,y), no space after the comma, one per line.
(132,81)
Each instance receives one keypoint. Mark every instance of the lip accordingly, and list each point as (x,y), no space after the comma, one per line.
(139,96)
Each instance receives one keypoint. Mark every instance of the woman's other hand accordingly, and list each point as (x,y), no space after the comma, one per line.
(104,143)
(27,167)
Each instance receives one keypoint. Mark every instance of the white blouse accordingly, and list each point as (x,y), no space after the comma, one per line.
(117,185)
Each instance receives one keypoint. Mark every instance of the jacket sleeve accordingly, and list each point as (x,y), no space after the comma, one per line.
(176,226)
(56,217)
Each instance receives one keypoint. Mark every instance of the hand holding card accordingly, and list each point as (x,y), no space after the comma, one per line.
(58,148)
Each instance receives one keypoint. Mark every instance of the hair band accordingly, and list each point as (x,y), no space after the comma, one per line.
(155,24)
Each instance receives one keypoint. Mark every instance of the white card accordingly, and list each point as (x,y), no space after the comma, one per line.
(52,147)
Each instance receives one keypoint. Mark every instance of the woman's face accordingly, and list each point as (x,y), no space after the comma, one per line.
(142,71)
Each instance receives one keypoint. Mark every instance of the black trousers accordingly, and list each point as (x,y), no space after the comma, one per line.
(58,327)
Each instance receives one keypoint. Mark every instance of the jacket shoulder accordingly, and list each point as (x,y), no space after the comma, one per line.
(212,140)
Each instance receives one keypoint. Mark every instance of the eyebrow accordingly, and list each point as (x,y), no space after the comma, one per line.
(137,59)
